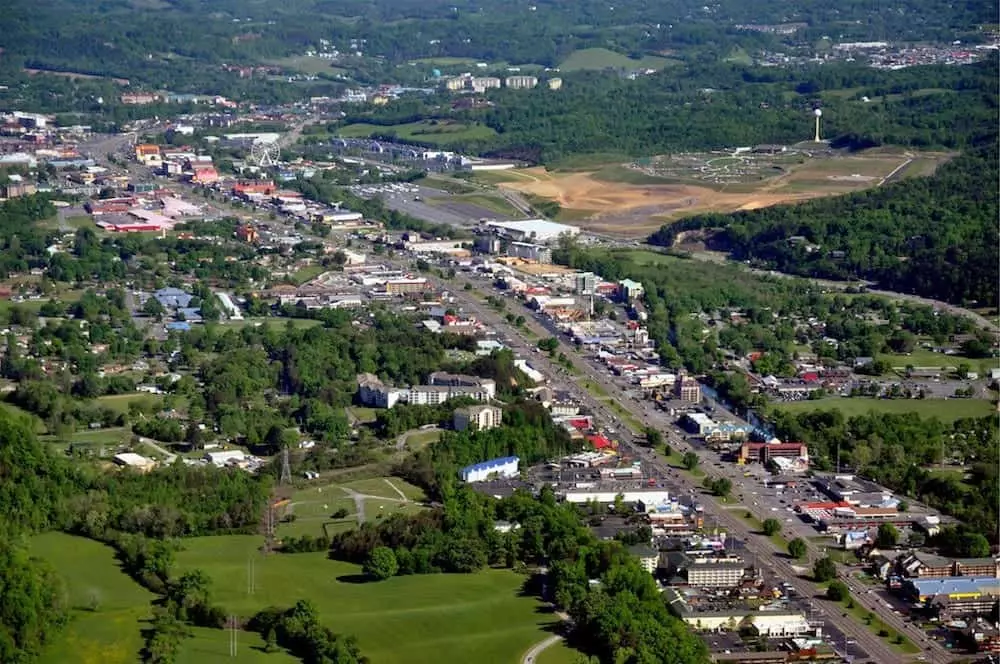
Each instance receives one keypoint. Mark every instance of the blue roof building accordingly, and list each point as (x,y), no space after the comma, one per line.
(173,298)
(502,467)
(953,587)
(191,314)
(178,326)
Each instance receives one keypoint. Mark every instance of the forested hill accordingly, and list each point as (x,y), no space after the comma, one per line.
(933,236)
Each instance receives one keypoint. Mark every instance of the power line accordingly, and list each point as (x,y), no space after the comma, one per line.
(286,468)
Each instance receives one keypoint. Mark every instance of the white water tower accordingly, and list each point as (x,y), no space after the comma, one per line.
(818,113)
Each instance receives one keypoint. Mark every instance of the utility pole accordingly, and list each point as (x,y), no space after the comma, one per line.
(286,469)
(233,635)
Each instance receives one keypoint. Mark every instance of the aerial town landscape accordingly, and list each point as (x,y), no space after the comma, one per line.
(505,333)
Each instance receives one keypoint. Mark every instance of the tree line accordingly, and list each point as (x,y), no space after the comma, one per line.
(934,236)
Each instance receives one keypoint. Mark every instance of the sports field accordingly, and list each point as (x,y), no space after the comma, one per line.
(636,199)
(944,409)
(109,608)
(424,619)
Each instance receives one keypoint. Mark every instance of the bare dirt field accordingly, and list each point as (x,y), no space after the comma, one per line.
(636,199)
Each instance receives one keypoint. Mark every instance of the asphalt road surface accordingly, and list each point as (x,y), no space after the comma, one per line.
(775,561)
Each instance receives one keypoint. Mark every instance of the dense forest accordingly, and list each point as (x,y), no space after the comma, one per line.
(168,44)
(717,105)
(935,236)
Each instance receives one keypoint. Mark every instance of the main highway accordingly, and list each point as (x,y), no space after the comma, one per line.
(768,555)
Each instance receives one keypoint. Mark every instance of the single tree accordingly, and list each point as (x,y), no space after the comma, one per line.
(690,460)
(887,537)
(772,527)
(381,563)
(824,570)
(797,548)
(838,591)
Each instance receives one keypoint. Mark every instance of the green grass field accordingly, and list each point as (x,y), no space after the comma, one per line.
(946,410)
(495,204)
(363,415)
(312,66)
(313,506)
(602,58)
(308,273)
(559,653)
(428,619)
(923,357)
(212,645)
(120,402)
(434,132)
(109,634)
(273,321)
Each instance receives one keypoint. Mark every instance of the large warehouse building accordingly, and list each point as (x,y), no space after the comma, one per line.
(538,231)
(502,467)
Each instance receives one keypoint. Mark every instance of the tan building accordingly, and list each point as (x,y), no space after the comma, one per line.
(484,83)
(521,82)
(688,389)
(479,418)
(148,154)
(555,83)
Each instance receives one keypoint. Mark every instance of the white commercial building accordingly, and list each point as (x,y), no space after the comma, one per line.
(503,467)
(373,392)
(225,458)
(533,230)
(479,418)
(647,496)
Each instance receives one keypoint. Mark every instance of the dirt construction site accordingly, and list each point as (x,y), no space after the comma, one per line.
(634,200)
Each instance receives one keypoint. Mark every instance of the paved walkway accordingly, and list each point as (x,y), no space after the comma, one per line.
(536,650)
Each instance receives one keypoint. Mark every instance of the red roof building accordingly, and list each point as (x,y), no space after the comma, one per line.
(601,443)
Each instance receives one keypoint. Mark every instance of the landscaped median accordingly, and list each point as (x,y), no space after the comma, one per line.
(872,621)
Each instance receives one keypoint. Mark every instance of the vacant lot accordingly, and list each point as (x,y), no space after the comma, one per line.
(944,409)
(412,619)
(434,132)
(602,58)
(109,608)
(636,199)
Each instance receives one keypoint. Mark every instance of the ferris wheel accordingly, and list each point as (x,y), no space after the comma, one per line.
(264,154)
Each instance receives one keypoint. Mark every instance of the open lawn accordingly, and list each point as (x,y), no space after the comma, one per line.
(559,653)
(119,402)
(212,645)
(109,608)
(420,439)
(314,506)
(636,199)
(308,273)
(602,58)
(428,618)
(312,66)
(923,357)
(496,204)
(944,409)
(275,321)
(362,414)
(109,438)
(433,132)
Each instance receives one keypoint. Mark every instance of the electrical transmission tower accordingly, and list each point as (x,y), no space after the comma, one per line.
(286,468)
(233,625)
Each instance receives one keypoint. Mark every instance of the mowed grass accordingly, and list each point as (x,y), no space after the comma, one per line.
(310,65)
(314,506)
(109,634)
(423,619)
(559,653)
(434,132)
(212,645)
(119,402)
(487,202)
(946,410)
(924,357)
(602,58)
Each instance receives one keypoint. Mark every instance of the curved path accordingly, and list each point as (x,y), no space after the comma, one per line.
(536,650)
